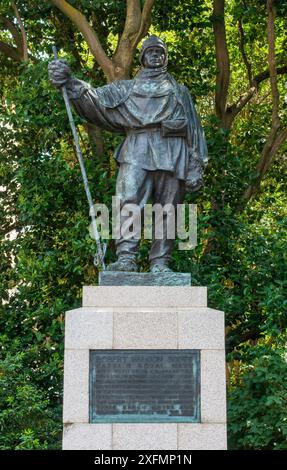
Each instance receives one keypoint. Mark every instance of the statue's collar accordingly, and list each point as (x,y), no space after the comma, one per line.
(146,73)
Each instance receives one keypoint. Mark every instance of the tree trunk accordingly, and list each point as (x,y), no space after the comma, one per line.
(136,27)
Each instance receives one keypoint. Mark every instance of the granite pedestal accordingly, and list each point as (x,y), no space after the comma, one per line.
(130,318)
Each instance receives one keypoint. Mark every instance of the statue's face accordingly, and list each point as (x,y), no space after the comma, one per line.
(154,57)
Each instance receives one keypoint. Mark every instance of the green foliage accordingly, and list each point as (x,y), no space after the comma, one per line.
(27,419)
(257,404)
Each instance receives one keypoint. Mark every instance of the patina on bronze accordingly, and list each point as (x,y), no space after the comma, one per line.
(164,152)
(144,386)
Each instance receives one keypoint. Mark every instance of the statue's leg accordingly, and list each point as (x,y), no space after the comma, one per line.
(167,190)
(134,186)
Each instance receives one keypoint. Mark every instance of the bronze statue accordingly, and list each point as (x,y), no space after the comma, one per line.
(164,152)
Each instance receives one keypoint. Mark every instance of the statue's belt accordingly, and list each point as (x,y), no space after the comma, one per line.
(144,130)
(169,128)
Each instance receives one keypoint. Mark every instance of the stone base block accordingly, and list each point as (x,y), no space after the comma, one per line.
(142,317)
(87,436)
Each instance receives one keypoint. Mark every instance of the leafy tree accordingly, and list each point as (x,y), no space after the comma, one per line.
(231,55)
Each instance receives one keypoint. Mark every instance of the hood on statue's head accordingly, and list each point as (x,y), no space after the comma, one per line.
(153,41)
(157,72)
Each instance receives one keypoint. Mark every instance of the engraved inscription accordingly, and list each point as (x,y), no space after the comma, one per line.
(144,385)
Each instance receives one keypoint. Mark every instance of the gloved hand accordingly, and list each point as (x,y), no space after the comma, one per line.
(194,179)
(59,72)
(192,185)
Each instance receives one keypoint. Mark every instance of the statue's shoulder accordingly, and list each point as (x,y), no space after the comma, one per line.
(185,94)
(118,84)
(182,89)
(115,93)
(123,85)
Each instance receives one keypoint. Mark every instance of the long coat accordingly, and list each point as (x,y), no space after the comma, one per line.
(156,115)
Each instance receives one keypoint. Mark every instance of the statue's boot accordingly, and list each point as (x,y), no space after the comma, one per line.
(160,267)
(124,263)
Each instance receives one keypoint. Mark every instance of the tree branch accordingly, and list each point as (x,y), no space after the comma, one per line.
(133,18)
(277,136)
(8,25)
(10,51)
(82,24)
(124,52)
(23,32)
(243,52)
(272,62)
(236,107)
(270,149)
(266,74)
(145,21)
(136,26)
(222,59)
(225,113)
(15,53)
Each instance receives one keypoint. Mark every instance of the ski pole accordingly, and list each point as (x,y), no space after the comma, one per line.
(99,259)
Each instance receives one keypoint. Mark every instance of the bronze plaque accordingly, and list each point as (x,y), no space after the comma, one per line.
(145,386)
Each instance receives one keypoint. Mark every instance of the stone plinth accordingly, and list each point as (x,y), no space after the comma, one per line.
(152,318)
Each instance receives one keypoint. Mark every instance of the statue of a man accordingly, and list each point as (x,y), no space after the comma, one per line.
(164,151)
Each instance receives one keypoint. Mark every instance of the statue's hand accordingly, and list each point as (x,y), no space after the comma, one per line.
(59,72)
(194,180)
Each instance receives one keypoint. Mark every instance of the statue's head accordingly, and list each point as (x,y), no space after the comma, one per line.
(153,53)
